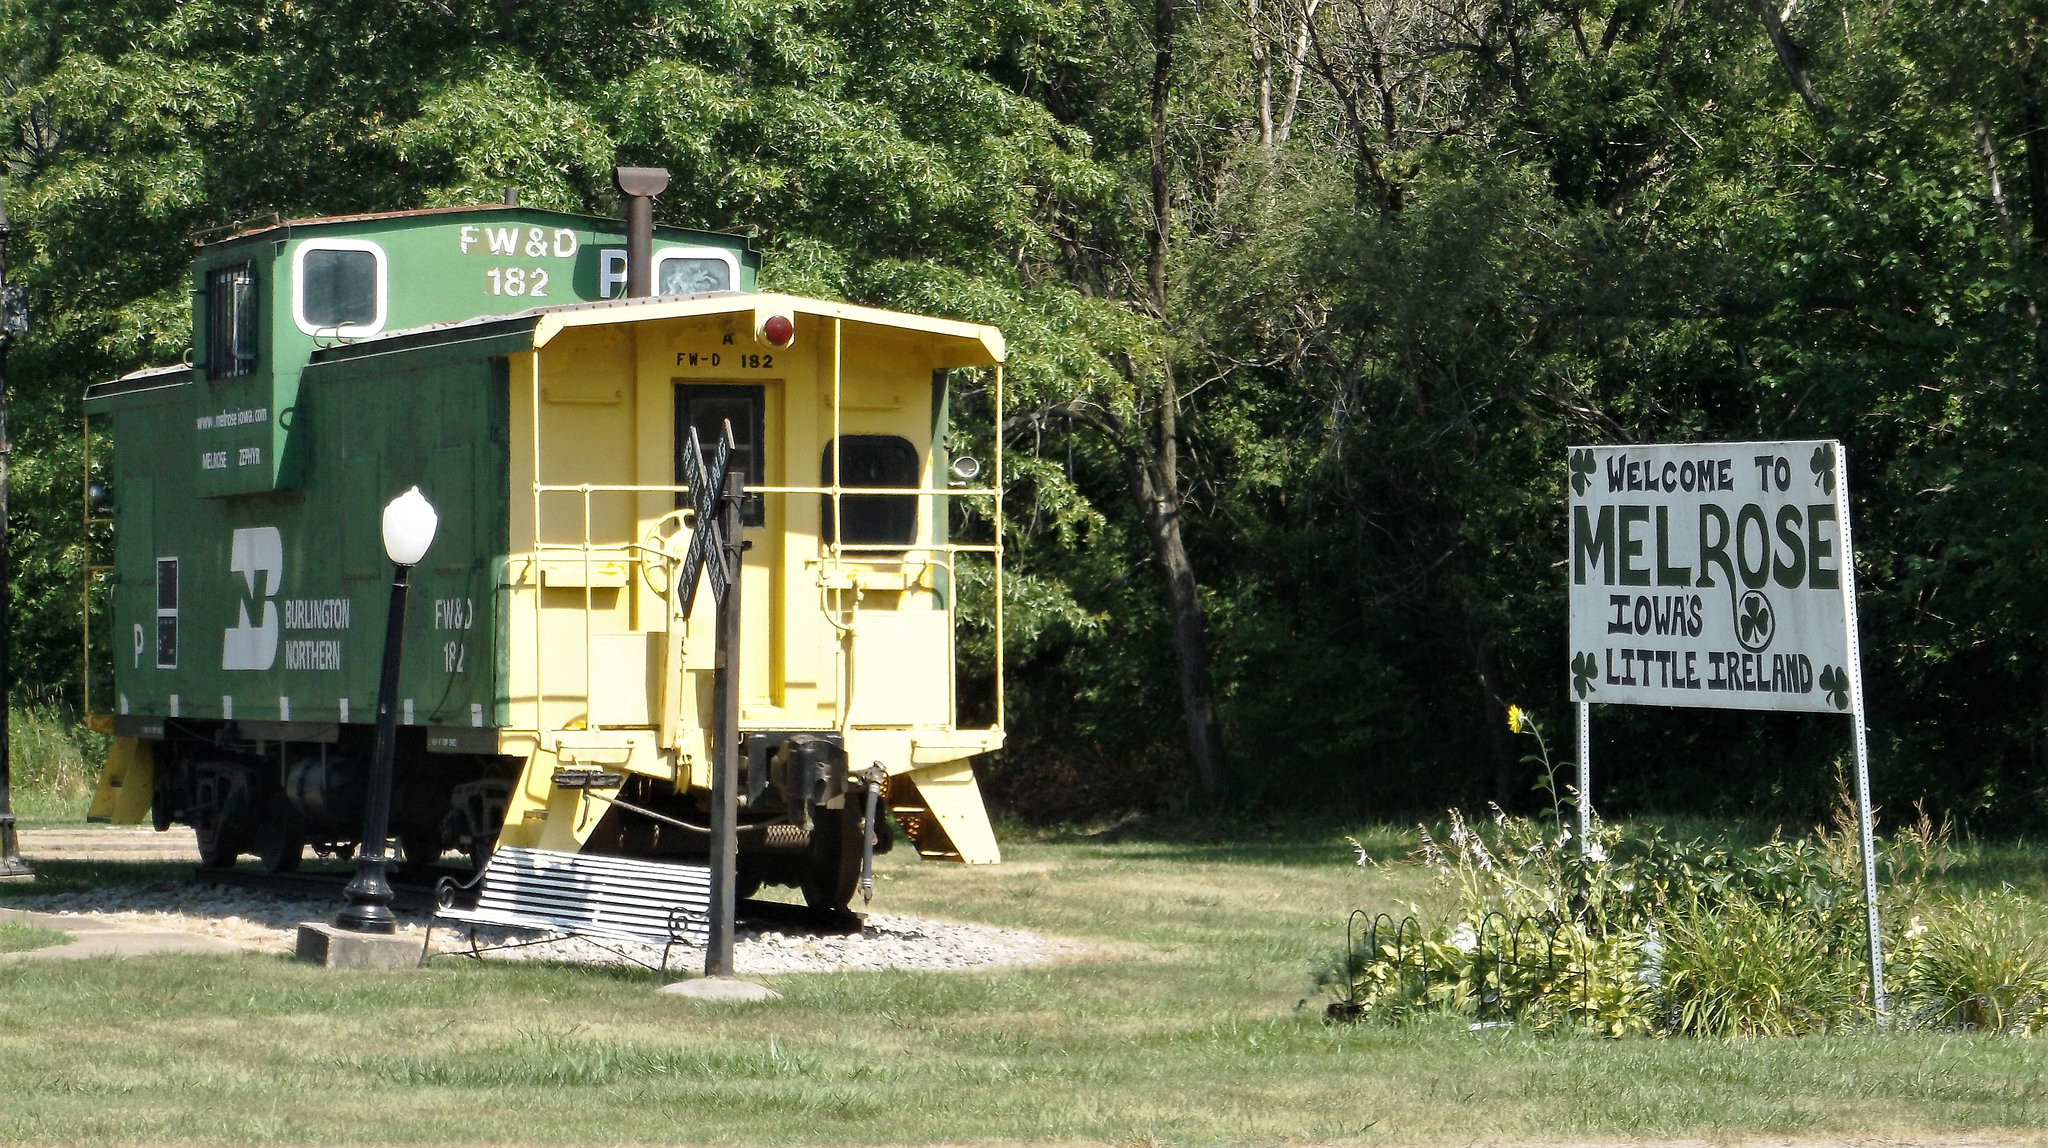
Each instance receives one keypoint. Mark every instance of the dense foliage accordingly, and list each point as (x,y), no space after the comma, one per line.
(1306,299)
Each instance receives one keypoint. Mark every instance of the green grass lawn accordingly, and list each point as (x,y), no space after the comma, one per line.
(19,938)
(1181,1028)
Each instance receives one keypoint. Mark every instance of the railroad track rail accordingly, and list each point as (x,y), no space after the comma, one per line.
(413,897)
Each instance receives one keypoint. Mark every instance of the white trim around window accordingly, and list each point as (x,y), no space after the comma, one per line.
(357,331)
(665,254)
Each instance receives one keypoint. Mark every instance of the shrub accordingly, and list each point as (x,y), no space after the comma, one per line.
(51,756)
(1629,933)
(1978,963)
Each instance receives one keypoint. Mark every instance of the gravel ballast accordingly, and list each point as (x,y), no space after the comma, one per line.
(268,922)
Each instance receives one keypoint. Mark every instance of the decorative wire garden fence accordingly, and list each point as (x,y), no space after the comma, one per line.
(1999,1008)
(1496,971)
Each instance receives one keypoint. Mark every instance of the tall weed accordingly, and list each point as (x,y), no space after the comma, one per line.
(1978,963)
(1745,966)
(50,755)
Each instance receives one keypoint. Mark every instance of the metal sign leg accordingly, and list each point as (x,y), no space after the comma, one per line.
(1585,801)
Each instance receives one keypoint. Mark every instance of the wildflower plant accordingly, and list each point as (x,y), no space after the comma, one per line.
(1630,933)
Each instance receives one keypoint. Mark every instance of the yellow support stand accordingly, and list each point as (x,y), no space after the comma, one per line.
(126,784)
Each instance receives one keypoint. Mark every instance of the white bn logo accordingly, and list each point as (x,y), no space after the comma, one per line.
(257,550)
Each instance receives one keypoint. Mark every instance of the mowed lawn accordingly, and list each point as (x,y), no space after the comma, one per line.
(1180,1027)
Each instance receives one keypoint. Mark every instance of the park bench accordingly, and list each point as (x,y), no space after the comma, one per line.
(612,898)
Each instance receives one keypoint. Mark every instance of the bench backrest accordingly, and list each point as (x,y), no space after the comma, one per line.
(622,897)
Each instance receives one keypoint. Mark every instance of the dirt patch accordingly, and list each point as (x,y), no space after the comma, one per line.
(109,843)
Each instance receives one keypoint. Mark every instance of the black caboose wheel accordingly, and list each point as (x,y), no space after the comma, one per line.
(281,845)
(833,867)
(223,823)
(280,837)
(219,844)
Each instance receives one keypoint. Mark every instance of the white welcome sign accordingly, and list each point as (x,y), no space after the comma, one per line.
(1713,574)
(1718,575)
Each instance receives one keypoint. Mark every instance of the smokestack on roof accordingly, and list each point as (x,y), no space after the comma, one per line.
(640,185)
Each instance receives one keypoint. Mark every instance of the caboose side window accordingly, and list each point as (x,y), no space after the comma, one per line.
(692,270)
(338,287)
(709,408)
(166,614)
(873,519)
(230,321)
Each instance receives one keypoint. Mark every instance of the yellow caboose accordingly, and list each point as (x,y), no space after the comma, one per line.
(850,581)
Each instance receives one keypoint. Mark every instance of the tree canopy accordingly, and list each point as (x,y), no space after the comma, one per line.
(1306,300)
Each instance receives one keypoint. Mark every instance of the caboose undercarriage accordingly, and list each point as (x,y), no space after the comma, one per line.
(800,818)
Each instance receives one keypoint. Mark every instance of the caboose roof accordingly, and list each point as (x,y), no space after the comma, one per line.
(970,337)
(969,344)
(270,225)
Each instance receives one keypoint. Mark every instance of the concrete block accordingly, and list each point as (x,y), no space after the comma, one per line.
(321,943)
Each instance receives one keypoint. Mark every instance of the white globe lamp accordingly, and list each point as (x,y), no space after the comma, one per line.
(409,522)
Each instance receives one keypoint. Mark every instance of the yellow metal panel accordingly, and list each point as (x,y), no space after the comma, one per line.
(574,571)
(544,817)
(624,688)
(933,749)
(126,782)
(951,797)
(902,669)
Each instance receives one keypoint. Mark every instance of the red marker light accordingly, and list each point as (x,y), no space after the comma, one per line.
(779,331)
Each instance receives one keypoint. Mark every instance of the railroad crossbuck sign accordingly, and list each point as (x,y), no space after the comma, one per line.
(1712,575)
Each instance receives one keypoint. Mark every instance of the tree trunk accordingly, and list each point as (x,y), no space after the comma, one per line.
(1152,460)
(2034,130)
(1162,80)
(1262,69)
(1297,63)
(1155,487)
(1790,57)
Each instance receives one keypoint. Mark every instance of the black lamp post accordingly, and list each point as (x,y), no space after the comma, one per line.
(13,321)
(409,522)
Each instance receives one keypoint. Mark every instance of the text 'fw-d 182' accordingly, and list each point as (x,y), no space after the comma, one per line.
(553,692)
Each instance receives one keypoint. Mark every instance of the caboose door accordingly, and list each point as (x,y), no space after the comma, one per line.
(750,409)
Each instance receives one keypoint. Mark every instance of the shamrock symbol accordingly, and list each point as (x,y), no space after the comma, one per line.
(1835,681)
(1584,669)
(1582,470)
(1756,623)
(1823,465)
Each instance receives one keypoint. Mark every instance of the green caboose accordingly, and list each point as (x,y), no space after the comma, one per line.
(483,355)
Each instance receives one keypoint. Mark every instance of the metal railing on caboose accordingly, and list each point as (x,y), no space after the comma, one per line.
(841,613)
